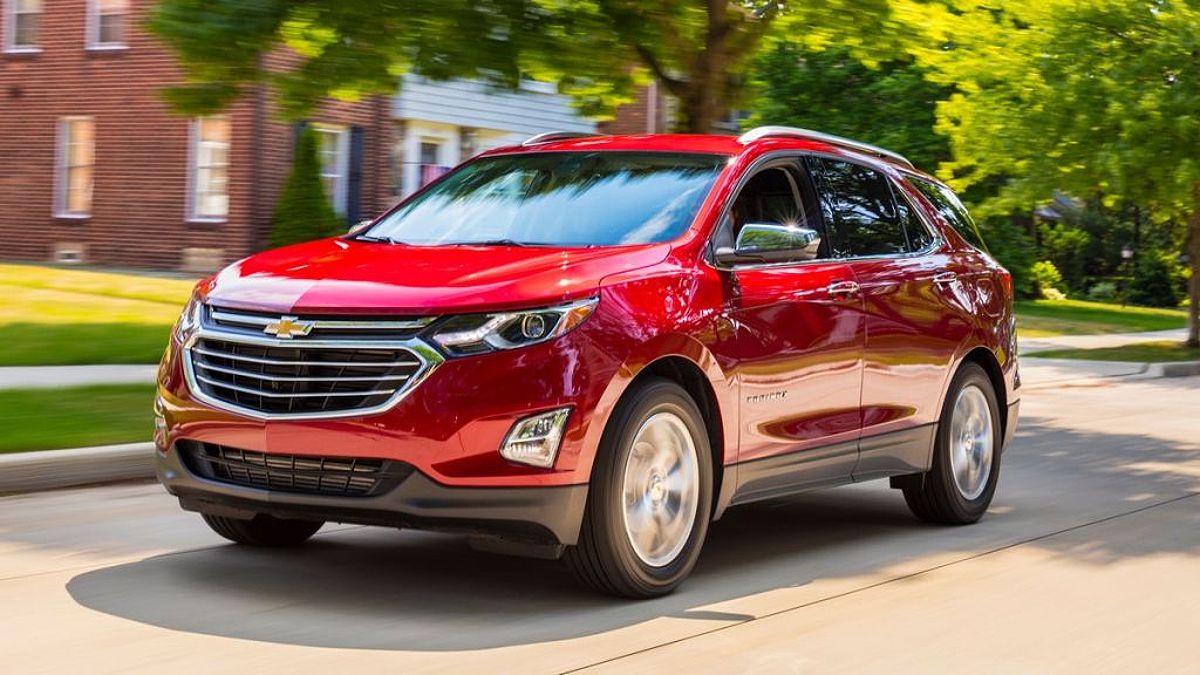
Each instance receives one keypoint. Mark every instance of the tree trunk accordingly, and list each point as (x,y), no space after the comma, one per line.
(1193,339)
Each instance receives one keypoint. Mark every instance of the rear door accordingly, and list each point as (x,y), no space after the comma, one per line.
(915,308)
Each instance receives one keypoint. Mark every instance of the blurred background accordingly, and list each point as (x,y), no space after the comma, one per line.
(146,144)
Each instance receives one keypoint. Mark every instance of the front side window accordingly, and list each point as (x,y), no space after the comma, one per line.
(22,23)
(951,209)
(558,199)
(76,161)
(333,149)
(860,210)
(107,23)
(775,196)
(210,168)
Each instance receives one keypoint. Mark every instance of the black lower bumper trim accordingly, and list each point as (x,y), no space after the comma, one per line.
(542,515)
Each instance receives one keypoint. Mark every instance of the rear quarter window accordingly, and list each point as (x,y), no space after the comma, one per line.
(951,209)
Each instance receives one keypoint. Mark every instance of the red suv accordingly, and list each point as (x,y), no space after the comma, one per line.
(590,347)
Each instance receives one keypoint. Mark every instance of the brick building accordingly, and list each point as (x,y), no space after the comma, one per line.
(98,170)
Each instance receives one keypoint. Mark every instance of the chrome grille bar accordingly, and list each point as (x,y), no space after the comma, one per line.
(350,370)
(273,394)
(281,378)
(277,362)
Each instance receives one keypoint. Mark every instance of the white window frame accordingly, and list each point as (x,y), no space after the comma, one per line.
(93,28)
(62,180)
(341,172)
(193,176)
(10,29)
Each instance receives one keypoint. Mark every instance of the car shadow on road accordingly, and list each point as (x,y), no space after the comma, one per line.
(367,588)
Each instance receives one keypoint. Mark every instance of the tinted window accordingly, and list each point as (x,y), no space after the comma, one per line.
(951,209)
(859,209)
(558,199)
(919,236)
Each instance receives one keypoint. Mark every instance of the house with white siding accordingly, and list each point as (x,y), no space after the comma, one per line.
(439,124)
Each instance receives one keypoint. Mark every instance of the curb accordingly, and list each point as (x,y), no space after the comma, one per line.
(1172,369)
(58,377)
(50,469)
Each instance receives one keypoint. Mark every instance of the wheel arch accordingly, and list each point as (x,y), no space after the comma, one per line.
(984,358)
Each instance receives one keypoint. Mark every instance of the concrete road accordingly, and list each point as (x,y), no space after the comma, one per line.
(1088,561)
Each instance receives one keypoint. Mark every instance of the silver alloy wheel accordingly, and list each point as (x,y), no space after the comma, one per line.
(661,489)
(972,442)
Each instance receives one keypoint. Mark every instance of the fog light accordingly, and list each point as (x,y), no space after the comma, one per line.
(534,440)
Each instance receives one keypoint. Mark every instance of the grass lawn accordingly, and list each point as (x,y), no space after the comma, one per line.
(1161,351)
(51,419)
(1045,318)
(55,316)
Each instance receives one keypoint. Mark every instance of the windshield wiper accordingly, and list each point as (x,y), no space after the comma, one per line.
(382,240)
(492,242)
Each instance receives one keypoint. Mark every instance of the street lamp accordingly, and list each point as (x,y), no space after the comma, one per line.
(1127,259)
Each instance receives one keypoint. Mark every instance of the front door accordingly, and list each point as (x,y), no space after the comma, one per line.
(799,348)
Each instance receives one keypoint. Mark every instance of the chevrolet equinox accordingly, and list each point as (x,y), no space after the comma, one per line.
(589,347)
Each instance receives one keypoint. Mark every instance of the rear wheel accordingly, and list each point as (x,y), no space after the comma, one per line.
(649,503)
(263,530)
(960,485)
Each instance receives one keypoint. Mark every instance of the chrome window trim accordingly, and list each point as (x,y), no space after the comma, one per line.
(428,358)
(934,246)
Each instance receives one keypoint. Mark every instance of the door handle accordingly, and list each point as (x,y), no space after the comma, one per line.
(944,278)
(843,289)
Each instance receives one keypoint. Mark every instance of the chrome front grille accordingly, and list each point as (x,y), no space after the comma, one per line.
(307,474)
(233,366)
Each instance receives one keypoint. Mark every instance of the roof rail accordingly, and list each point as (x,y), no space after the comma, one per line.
(550,136)
(794,132)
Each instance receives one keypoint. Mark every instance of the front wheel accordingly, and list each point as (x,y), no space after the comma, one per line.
(650,500)
(959,487)
(263,530)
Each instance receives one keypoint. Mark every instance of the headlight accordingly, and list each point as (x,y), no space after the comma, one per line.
(481,333)
(189,319)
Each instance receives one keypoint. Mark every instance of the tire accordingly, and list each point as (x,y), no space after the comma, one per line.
(263,530)
(606,557)
(959,498)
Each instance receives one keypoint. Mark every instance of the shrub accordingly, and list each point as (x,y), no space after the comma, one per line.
(1013,249)
(1047,280)
(1158,280)
(303,212)
(1104,291)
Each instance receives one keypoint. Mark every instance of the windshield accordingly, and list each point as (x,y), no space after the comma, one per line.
(557,199)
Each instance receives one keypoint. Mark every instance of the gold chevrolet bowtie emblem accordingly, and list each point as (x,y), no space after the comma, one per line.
(288,327)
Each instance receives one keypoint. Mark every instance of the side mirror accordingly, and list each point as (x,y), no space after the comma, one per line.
(359,226)
(770,242)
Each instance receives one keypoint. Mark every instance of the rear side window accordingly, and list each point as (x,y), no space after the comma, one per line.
(860,209)
(950,208)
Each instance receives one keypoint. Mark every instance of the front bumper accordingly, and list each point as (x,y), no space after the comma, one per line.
(536,515)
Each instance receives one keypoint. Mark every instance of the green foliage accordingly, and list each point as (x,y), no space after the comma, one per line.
(1090,97)
(891,105)
(1158,281)
(699,52)
(303,212)
(1047,280)
(1104,291)
(1066,247)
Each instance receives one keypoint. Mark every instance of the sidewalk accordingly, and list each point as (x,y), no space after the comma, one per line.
(57,377)
(1031,345)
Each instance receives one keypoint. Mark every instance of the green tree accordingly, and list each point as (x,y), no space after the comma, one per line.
(594,50)
(1084,96)
(303,212)
(890,104)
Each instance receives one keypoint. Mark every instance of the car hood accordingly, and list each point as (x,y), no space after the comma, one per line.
(341,276)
